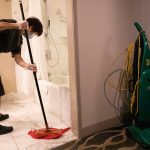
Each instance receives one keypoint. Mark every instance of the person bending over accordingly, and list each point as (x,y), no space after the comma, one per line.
(11,39)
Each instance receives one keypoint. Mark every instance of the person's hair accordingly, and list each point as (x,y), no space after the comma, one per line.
(36,25)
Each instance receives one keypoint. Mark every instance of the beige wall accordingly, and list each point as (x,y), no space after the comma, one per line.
(103,29)
(7,65)
(5,9)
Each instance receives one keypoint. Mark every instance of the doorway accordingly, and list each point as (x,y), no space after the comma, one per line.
(56,75)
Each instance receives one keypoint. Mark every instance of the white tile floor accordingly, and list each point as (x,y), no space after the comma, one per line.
(24,116)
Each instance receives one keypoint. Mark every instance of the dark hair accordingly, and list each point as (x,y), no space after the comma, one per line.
(36,25)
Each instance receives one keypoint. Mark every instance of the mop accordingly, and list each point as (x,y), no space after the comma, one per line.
(47,132)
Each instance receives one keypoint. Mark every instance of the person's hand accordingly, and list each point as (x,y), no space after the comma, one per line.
(31,67)
(23,25)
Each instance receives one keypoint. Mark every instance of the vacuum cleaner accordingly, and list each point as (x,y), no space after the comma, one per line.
(140,91)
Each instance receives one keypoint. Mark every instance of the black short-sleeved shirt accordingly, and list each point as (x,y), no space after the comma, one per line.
(10,39)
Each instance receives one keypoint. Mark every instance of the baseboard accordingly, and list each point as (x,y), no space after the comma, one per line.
(98,127)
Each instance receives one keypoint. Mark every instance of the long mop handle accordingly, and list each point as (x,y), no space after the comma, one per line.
(34,73)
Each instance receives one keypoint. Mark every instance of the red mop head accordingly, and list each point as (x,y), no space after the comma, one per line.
(50,133)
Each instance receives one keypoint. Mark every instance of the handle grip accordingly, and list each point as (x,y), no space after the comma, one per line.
(138,27)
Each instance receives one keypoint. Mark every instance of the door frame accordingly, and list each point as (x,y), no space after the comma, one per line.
(73,69)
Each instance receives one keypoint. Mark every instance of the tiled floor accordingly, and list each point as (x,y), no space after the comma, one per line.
(24,116)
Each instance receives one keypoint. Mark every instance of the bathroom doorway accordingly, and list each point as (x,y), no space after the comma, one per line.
(54,55)
(60,52)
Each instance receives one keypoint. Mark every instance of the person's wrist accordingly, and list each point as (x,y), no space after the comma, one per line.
(26,66)
(18,26)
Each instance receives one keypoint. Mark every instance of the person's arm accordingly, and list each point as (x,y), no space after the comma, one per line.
(19,60)
(18,25)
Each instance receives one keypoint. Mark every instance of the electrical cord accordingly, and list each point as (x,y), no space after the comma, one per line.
(116,93)
(123,90)
(122,86)
(113,65)
(105,93)
(121,96)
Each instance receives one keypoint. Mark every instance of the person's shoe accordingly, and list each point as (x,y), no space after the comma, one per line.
(5,129)
(3,116)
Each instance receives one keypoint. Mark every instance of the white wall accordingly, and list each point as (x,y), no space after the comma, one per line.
(58,44)
(103,29)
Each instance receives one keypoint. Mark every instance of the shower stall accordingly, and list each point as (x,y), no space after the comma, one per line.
(57,44)
(50,53)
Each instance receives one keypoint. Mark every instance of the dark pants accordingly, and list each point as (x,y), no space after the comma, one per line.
(2,91)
